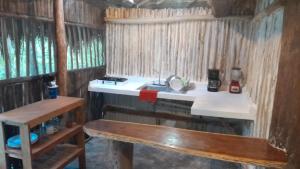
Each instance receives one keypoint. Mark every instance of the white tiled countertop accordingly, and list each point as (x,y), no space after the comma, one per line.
(214,104)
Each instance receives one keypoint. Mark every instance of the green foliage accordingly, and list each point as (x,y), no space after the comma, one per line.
(83,55)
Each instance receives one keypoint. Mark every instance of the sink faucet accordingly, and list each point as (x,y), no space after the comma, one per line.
(159,73)
(161,62)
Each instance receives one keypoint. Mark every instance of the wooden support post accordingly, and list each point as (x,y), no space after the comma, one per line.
(80,119)
(120,154)
(80,142)
(285,126)
(80,115)
(61,51)
(25,146)
(3,156)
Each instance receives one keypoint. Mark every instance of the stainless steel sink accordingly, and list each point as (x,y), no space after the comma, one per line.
(160,88)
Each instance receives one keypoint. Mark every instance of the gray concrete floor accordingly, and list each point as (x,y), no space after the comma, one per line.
(148,158)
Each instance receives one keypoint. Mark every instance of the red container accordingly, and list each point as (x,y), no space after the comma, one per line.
(235,87)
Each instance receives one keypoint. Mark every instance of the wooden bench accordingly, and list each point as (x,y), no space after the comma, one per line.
(230,148)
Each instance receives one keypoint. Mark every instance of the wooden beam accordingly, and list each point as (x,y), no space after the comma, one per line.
(285,125)
(46,19)
(170,19)
(269,10)
(61,50)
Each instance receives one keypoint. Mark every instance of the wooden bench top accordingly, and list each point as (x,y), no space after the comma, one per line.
(210,145)
(35,113)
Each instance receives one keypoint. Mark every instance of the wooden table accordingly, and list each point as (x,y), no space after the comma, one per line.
(45,152)
(230,148)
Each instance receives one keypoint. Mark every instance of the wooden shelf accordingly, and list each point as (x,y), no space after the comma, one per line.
(57,158)
(38,112)
(46,143)
(45,153)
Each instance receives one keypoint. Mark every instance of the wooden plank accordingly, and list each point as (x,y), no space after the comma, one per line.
(8,94)
(42,34)
(1,98)
(209,145)
(89,39)
(27,40)
(60,36)
(75,42)
(49,20)
(103,42)
(85,46)
(80,46)
(70,45)
(58,158)
(33,36)
(80,115)
(3,156)
(34,114)
(285,126)
(17,44)
(52,140)
(99,54)
(95,49)
(5,48)
(25,146)
(49,46)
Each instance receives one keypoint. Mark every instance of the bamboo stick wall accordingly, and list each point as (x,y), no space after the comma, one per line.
(27,47)
(263,4)
(190,48)
(77,11)
(124,13)
(186,48)
(263,68)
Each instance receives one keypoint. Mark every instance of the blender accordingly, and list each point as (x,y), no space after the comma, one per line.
(235,84)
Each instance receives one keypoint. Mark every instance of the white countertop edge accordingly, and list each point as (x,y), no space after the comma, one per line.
(160,95)
(221,114)
(136,82)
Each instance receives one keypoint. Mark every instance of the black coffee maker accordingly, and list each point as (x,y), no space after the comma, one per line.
(214,82)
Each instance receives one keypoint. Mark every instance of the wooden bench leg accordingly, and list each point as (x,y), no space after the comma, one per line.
(120,154)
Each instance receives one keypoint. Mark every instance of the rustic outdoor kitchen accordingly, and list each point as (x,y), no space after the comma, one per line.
(149,84)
